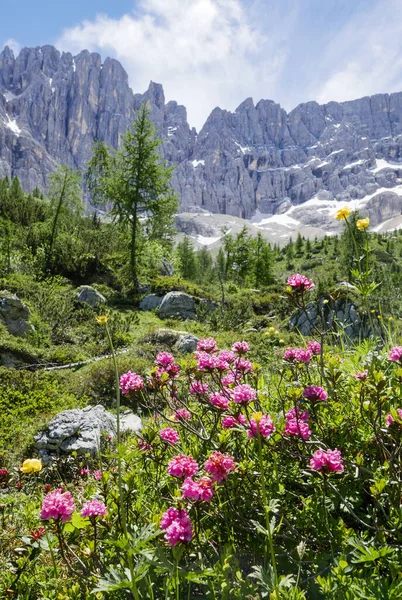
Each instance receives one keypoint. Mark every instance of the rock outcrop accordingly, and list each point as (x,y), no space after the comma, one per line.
(14,314)
(177,305)
(88,295)
(258,159)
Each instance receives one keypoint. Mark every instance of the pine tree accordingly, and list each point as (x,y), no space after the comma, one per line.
(136,182)
(186,255)
(263,262)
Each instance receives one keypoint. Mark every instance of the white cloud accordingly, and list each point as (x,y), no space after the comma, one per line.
(365,57)
(13,45)
(204,52)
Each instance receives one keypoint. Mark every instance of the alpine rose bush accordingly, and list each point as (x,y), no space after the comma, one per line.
(329,461)
(57,505)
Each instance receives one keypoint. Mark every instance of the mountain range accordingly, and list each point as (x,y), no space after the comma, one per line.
(281,171)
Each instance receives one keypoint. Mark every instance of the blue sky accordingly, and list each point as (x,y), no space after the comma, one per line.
(218,52)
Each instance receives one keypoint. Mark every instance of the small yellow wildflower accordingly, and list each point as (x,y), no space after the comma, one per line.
(390,318)
(257,416)
(271,329)
(102,319)
(342,213)
(31,465)
(379,317)
(325,301)
(362,224)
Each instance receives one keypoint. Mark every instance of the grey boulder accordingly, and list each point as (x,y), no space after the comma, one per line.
(150,302)
(187,343)
(14,314)
(88,295)
(178,305)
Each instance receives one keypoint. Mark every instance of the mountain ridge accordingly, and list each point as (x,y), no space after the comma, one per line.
(258,159)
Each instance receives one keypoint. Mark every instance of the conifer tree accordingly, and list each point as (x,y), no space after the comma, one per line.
(186,254)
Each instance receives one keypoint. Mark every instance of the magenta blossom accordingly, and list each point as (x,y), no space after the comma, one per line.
(244,394)
(164,359)
(57,505)
(297,355)
(240,347)
(131,381)
(230,379)
(182,414)
(315,393)
(97,475)
(265,425)
(300,283)
(229,422)
(314,347)
(361,375)
(198,490)
(208,345)
(93,508)
(198,388)
(296,413)
(219,466)
(84,472)
(206,362)
(227,356)
(395,354)
(169,435)
(182,466)
(243,365)
(329,461)
(297,427)
(219,400)
(178,526)
(389,419)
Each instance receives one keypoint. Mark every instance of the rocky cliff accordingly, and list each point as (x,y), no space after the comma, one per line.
(258,159)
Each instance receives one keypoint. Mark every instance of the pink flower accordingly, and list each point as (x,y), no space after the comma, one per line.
(93,508)
(300,283)
(244,394)
(84,472)
(57,505)
(178,526)
(395,354)
(243,365)
(198,490)
(3,473)
(265,424)
(329,461)
(219,466)
(182,466)
(315,393)
(389,419)
(206,362)
(229,422)
(294,413)
(97,475)
(197,387)
(230,379)
(208,345)
(314,347)
(169,435)
(297,427)
(361,375)
(143,445)
(297,354)
(221,364)
(219,400)
(227,356)
(240,347)
(164,359)
(182,414)
(131,381)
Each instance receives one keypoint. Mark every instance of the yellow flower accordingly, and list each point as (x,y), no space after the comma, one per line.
(31,465)
(102,319)
(271,329)
(257,416)
(362,224)
(325,301)
(342,213)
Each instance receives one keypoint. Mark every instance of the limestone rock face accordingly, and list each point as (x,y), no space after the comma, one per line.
(257,159)
(177,305)
(88,295)
(150,302)
(76,430)
(14,314)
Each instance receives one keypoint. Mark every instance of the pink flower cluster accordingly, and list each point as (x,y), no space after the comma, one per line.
(300,283)
(315,393)
(219,400)
(297,355)
(178,526)
(3,473)
(240,347)
(131,381)
(208,345)
(314,347)
(198,388)
(219,466)
(229,422)
(169,436)
(296,423)
(389,419)
(182,414)
(93,508)
(97,475)
(164,359)
(57,505)
(265,425)
(361,375)
(329,461)
(198,490)
(244,394)
(182,466)
(395,354)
